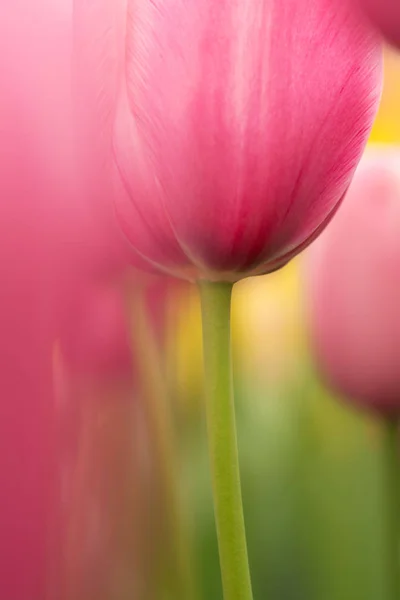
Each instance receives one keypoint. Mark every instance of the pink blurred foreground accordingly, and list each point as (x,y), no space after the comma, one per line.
(54,235)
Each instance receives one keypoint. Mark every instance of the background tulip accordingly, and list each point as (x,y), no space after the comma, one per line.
(354,289)
(234,127)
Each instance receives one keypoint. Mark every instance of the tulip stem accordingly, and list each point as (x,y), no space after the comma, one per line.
(392,498)
(222,441)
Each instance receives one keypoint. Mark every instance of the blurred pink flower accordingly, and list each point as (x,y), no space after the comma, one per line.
(233,128)
(385,15)
(28,278)
(353,289)
(51,233)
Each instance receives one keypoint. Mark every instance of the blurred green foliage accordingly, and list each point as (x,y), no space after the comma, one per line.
(313,486)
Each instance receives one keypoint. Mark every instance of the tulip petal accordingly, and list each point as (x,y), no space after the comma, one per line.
(247,120)
(99,46)
(236,125)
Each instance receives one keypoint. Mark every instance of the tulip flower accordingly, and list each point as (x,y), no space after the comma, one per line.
(354,289)
(385,15)
(232,130)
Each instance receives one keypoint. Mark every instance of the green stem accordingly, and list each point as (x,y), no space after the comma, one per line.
(392,496)
(221,425)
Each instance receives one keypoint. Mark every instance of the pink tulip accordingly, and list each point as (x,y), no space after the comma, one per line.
(354,289)
(233,127)
(385,14)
